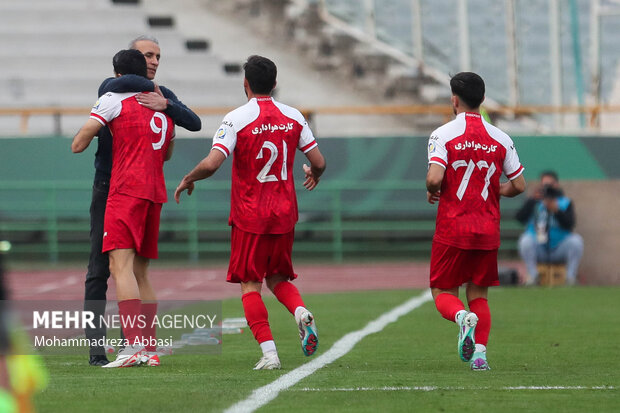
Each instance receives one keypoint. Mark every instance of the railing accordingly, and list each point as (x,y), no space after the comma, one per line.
(414,33)
(374,219)
(593,112)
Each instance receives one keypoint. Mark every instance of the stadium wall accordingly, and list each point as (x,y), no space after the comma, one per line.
(586,165)
(364,158)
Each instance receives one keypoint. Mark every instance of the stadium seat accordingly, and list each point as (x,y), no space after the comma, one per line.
(57,52)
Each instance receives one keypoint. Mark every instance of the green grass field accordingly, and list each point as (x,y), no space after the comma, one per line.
(564,337)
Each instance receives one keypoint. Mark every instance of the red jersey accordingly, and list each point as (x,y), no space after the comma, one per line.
(474,153)
(140,140)
(263,135)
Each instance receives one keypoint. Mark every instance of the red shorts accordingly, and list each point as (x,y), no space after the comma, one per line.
(452,267)
(256,256)
(131,223)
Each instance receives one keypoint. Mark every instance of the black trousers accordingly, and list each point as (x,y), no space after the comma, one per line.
(96,285)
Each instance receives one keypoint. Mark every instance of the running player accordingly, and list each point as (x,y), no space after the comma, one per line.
(466,159)
(141,144)
(263,135)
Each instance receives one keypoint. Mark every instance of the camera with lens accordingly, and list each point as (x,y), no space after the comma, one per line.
(549,191)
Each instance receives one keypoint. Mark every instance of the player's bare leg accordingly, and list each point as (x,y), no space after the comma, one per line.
(140,270)
(258,321)
(128,296)
(121,269)
(289,296)
(452,308)
(477,299)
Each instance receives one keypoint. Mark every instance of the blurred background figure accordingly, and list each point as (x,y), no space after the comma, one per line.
(549,217)
(21,375)
(7,401)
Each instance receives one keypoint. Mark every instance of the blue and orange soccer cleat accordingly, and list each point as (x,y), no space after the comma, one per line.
(308,333)
(467,326)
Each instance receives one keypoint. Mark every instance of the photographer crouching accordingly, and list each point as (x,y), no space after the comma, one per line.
(549,217)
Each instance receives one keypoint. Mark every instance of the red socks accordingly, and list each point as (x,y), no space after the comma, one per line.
(288,295)
(480,306)
(448,305)
(129,310)
(257,316)
(256,312)
(149,311)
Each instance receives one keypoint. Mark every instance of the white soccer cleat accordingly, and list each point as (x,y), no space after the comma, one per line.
(269,361)
(151,359)
(308,334)
(467,327)
(128,357)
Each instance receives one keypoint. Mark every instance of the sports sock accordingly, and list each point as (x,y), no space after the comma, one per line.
(268,346)
(480,306)
(256,316)
(129,310)
(288,295)
(149,311)
(448,305)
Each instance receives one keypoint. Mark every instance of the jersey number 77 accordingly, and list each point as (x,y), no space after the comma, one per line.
(471,166)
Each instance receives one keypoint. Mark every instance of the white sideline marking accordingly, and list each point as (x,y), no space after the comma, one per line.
(56,285)
(265,394)
(433,388)
(561,388)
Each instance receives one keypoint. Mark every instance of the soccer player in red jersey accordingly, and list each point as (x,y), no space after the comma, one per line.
(141,143)
(466,158)
(263,134)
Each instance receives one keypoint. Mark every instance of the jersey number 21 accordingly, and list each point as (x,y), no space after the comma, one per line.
(264,174)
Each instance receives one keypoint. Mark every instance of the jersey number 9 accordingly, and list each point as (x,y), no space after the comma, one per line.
(163,129)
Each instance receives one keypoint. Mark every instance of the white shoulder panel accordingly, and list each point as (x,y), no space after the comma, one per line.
(243,115)
(109,106)
(290,112)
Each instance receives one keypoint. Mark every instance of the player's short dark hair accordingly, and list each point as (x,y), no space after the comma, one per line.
(129,62)
(469,87)
(551,173)
(261,74)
